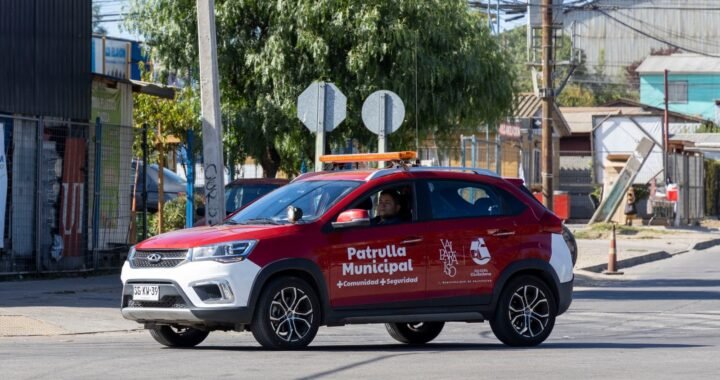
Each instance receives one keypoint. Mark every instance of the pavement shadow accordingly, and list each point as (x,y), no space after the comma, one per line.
(402,349)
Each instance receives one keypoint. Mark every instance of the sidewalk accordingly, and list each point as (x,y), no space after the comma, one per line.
(631,250)
(62,306)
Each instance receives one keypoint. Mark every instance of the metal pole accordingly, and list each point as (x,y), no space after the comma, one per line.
(462,151)
(487,146)
(666,127)
(473,151)
(96,185)
(145,176)
(498,144)
(548,99)
(190,165)
(214,169)
(320,127)
(382,122)
(38,195)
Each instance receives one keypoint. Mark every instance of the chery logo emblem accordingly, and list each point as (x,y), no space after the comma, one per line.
(154,258)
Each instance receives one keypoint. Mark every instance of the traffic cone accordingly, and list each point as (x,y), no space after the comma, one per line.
(612,255)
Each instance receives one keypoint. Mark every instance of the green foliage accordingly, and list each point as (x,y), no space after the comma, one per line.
(173,215)
(712,184)
(176,117)
(577,96)
(270,51)
(708,127)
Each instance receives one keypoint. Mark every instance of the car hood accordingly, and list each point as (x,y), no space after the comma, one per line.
(200,236)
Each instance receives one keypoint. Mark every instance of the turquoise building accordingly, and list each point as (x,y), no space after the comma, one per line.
(693,84)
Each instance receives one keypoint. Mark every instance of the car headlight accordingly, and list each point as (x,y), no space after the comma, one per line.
(225,253)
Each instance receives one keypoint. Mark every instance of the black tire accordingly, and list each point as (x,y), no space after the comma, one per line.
(571,243)
(287,315)
(525,314)
(414,332)
(178,337)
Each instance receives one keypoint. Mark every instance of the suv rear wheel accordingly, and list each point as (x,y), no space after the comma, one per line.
(178,336)
(414,332)
(287,315)
(525,313)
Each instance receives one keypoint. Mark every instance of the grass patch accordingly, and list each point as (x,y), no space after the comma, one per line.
(604,230)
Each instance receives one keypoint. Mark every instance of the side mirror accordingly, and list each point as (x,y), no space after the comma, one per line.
(352,218)
(294,214)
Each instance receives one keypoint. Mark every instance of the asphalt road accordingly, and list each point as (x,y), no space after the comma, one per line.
(658,321)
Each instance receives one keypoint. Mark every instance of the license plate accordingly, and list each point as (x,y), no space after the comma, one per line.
(146,293)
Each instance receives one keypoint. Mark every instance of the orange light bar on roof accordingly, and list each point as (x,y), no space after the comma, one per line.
(363,157)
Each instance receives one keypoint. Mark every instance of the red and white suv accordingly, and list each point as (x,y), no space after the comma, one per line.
(466,246)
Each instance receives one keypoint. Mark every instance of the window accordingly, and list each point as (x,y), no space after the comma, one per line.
(678,91)
(458,199)
(314,198)
(401,195)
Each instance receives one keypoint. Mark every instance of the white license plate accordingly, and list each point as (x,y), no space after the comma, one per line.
(146,293)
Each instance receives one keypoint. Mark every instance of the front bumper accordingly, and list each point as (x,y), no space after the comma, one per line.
(173,307)
(181,299)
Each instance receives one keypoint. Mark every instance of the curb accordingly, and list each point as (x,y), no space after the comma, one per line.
(633,261)
(705,244)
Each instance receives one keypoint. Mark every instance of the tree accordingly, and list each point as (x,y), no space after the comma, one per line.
(97,20)
(269,51)
(166,118)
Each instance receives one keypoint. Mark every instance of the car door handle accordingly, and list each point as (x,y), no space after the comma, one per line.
(501,233)
(411,240)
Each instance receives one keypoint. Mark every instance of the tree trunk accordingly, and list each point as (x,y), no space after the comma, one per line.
(270,161)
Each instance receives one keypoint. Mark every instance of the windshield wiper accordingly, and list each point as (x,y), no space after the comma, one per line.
(260,221)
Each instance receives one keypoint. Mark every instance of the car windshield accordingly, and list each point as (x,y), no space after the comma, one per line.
(314,198)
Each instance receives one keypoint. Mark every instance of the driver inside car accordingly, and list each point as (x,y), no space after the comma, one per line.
(388,209)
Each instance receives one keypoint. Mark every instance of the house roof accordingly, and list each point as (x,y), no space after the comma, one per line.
(680,63)
(528,105)
(580,119)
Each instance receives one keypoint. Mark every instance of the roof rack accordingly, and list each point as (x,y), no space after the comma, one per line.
(385,172)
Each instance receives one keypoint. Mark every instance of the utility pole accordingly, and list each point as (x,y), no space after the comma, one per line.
(211,124)
(548,99)
(666,130)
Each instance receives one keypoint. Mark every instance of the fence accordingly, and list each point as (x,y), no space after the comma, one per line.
(55,218)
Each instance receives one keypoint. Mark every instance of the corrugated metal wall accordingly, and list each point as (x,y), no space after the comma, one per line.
(45,57)
(594,32)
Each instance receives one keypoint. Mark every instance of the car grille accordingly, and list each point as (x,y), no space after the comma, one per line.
(176,302)
(168,259)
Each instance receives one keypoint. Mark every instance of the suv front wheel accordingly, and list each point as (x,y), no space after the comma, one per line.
(287,315)
(525,313)
(414,332)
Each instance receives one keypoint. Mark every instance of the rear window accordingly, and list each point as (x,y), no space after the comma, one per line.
(239,196)
(459,199)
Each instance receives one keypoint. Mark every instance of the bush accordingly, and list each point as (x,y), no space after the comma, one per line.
(174,215)
(712,183)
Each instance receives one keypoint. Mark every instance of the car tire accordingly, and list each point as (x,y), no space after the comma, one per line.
(525,314)
(415,332)
(287,315)
(571,243)
(178,336)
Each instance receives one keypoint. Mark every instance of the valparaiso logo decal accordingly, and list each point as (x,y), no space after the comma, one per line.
(480,253)
(448,256)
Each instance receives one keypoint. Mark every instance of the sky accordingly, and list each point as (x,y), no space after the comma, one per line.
(112,11)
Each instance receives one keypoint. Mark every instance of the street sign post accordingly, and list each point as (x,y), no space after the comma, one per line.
(321,108)
(382,113)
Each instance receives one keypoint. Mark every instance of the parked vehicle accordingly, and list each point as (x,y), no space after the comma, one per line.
(243,191)
(173,186)
(461,246)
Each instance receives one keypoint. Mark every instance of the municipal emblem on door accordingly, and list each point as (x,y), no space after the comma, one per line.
(480,253)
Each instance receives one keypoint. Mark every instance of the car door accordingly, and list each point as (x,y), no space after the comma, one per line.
(476,232)
(378,265)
